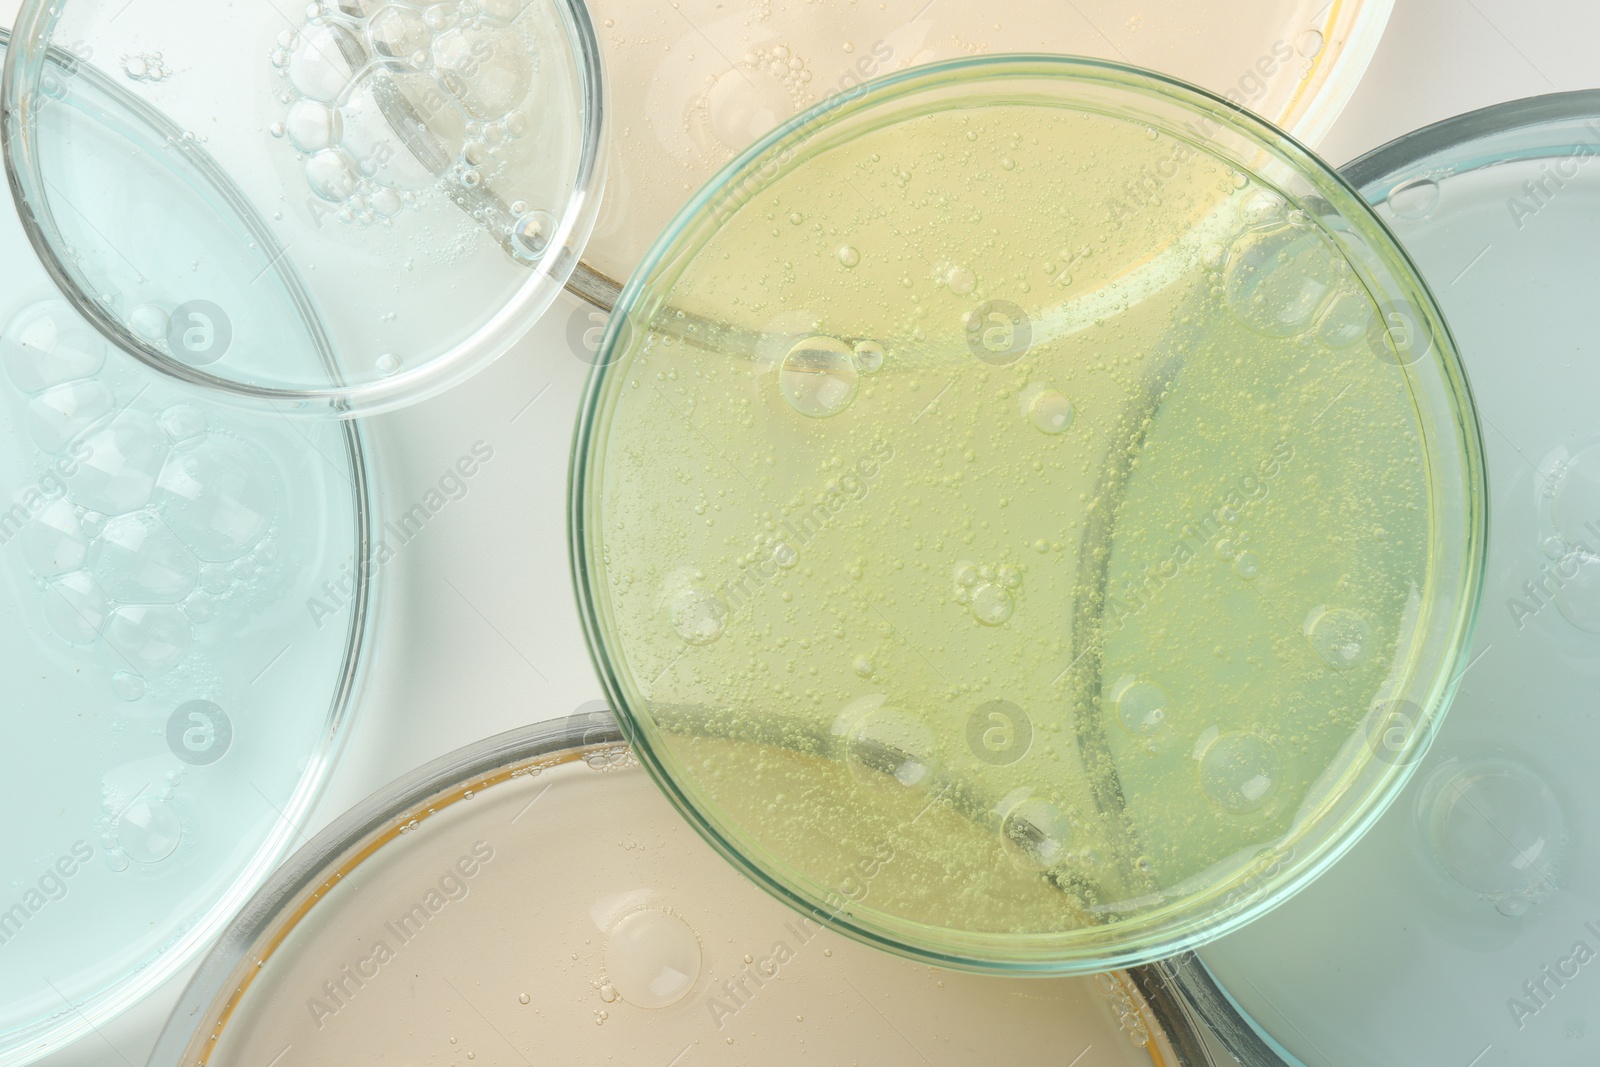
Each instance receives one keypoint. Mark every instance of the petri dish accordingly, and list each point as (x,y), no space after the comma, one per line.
(429,170)
(1461,927)
(695,83)
(534,896)
(183,600)
(931,444)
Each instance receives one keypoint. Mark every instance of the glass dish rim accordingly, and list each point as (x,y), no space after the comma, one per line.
(32,1042)
(1386,167)
(373,823)
(35,22)
(1156,942)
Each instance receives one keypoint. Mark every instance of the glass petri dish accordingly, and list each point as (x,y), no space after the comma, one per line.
(930,443)
(534,896)
(1461,926)
(430,171)
(183,599)
(695,83)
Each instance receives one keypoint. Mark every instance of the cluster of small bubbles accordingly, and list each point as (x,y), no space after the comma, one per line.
(988,591)
(467,60)
(698,613)
(1340,637)
(1497,828)
(887,747)
(1127,1010)
(1035,834)
(1240,772)
(146,67)
(818,377)
(1143,707)
(869,356)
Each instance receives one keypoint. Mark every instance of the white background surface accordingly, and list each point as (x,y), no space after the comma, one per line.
(477,631)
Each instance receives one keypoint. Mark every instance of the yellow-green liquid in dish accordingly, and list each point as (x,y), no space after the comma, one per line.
(992,547)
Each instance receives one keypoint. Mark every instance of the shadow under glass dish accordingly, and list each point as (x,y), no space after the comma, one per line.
(172,705)
(429,171)
(694,83)
(535,896)
(997,494)
(1464,927)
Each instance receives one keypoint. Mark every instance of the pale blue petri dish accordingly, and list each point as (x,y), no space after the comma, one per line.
(1465,927)
(184,596)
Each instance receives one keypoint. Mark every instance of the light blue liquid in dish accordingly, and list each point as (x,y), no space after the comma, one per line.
(179,609)
(1465,928)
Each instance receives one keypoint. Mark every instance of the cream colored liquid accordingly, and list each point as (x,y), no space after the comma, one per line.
(1120,598)
(570,917)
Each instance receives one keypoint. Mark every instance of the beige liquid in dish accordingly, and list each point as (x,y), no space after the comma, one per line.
(1012,508)
(569,916)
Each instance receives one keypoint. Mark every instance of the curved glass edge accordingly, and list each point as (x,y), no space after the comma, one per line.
(643,298)
(21,82)
(216,984)
(1358,27)
(101,1009)
(1512,131)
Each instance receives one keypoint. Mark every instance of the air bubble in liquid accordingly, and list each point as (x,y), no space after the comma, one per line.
(149,322)
(149,831)
(388,365)
(1414,199)
(218,496)
(531,234)
(1143,708)
(397,32)
(1035,834)
(181,422)
(313,126)
(62,412)
(1247,565)
(698,614)
(1276,280)
(330,175)
(1051,412)
(652,958)
(119,464)
(317,64)
(1340,637)
(887,747)
(818,377)
(1495,826)
(1240,773)
(127,685)
(48,344)
(54,542)
(1346,319)
(992,603)
(153,638)
(849,255)
(138,560)
(869,357)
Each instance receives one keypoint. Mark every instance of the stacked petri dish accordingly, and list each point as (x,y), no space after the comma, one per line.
(173,708)
(1461,928)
